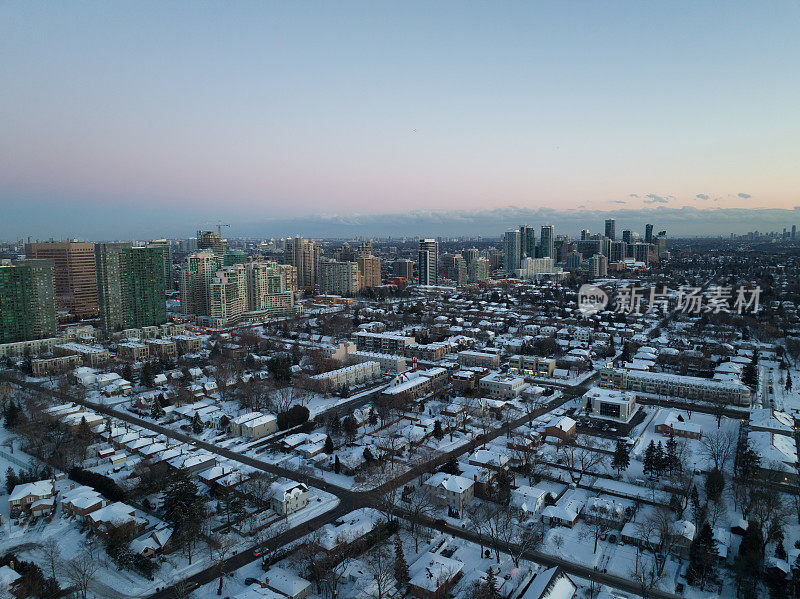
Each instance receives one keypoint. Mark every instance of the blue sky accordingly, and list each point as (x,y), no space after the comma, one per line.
(116,116)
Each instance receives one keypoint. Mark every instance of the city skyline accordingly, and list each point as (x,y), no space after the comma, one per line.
(277,114)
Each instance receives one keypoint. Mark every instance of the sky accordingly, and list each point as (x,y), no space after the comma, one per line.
(128,119)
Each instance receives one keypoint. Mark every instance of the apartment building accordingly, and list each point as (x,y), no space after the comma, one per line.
(674,385)
(74,272)
(384,343)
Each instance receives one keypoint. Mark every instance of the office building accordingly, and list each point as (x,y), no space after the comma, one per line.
(370,268)
(627,236)
(641,252)
(27,300)
(303,254)
(130,286)
(618,252)
(73,269)
(339,278)
(648,233)
(428,264)
(512,248)
(470,255)
(611,226)
(405,269)
(196,274)
(547,242)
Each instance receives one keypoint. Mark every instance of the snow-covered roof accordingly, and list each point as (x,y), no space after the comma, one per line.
(432,570)
(286,582)
(38,488)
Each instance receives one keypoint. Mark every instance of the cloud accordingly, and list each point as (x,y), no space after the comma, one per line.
(633,195)
(652,198)
(703,196)
(745,196)
(620,202)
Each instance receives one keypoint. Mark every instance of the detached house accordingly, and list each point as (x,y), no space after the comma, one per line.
(456,492)
(34,498)
(288,497)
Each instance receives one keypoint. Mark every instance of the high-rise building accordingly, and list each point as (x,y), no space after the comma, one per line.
(585,234)
(339,278)
(73,268)
(405,269)
(303,254)
(166,250)
(478,270)
(470,255)
(648,233)
(196,274)
(428,264)
(27,300)
(547,243)
(627,236)
(794,231)
(641,252)
(370,268)
(611,226)
(618,252)
(130,286)
(270,287)
(530,267)
(213,242)
(527,242)
(512,249)
(598,265)
(228,300)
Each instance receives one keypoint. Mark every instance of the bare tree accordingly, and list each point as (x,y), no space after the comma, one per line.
(717,446)
(581,455)
(52,556)
(657,532)
(419,505)
(380,565)
(219,549)
(81,570)
(768,510)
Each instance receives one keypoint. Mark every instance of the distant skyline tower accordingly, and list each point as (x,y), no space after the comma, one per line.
(648,233)
(527,242)
(611,226)
(585,233)
(794,231)
(428,264)
(512,248)
(627,236)
(547,244)
(303,254)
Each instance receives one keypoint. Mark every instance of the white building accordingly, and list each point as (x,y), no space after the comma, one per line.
(391,363)
(456,492)
(504,386)
(350,375)
(288,497)
(610,404)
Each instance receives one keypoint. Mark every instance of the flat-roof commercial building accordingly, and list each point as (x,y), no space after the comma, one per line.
(610,404)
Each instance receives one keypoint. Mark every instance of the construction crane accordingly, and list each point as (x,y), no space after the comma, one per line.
(219,224)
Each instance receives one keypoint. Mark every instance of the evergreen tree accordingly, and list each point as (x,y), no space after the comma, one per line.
(702,558)
(127,372)
(451,466)
(12,480)
(660,459)
(337,465)
(437,430)
(788,386)
(649,459)
(373,416)
(750,375)
(197,424)
(156,411)
(672,460)
(621,459)
(328,445)
(147,376)
(12,415)
(490,586)
(368,457)
(400,565)
(350,426)
(749,560)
